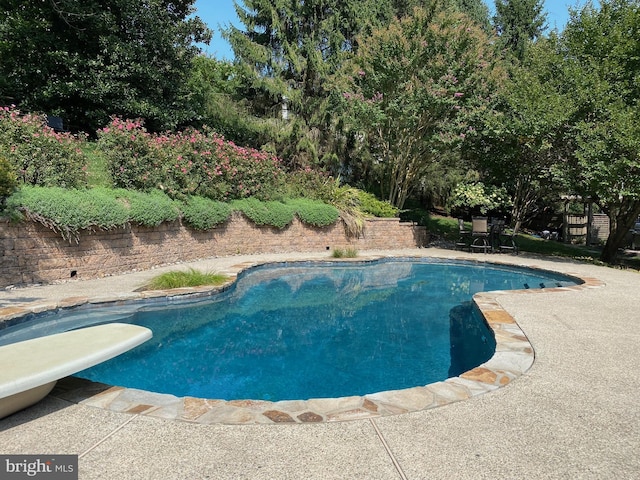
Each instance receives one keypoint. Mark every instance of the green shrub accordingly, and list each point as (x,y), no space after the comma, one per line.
(314,212)
(203,213)
(8,181)
(148,209)
(189,163)
(67,210)
(378,208)
(309,184)
(39,155)
(477,195)
(273,214)
(190,278)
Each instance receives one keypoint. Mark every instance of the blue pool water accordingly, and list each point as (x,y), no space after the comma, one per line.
(298,331)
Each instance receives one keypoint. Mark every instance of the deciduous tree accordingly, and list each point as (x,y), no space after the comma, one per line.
(600,48)
(523,143)
(88,60)
(417,90)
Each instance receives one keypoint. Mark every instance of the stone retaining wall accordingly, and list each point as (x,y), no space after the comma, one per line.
(31,253)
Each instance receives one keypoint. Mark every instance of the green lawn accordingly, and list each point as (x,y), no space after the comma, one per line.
(97,166)
(447,228)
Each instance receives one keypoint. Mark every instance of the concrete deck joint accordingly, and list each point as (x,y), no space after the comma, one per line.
(107,437)
(396,464)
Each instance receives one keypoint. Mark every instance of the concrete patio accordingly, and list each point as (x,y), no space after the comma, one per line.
(574,414)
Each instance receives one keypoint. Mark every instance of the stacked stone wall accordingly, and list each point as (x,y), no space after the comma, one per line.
(31,253)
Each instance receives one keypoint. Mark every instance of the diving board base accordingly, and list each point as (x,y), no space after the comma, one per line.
(19,401)
(30,369)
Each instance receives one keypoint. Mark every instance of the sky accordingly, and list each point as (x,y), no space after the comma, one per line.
(219,14)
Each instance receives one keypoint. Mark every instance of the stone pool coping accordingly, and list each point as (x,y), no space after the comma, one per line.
(513,357)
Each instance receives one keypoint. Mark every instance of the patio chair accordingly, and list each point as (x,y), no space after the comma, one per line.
(496,231)
(464,236)
(480,234)
(508,242)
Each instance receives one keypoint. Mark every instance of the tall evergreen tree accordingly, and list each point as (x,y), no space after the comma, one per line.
(477,10)
(289,48)
(288,51)
(519,22)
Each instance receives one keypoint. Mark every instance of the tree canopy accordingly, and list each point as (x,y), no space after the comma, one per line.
(86,61)
(523,143)
(601,74)
(418,88)
(519,22)
(289,49)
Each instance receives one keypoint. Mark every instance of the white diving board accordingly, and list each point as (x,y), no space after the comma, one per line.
(30,369)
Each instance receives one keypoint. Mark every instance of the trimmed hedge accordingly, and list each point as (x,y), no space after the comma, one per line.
(148,209)
(274,214)
(314,212)
(204,214)
(68,211)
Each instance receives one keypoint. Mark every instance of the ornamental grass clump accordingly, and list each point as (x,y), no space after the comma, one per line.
(182,279)
(344,253)
(346,199)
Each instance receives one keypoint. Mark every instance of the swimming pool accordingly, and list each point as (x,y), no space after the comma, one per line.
(357,328)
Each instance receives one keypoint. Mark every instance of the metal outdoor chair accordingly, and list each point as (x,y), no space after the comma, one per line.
(464,236)
(507,241)
(480,234)
(496,229)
